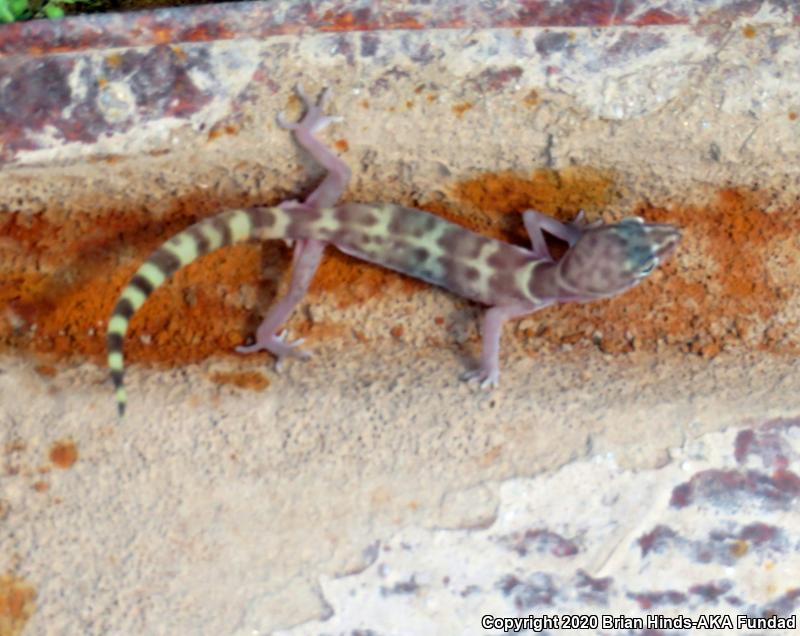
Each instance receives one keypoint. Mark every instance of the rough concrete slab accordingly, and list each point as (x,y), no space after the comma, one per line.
(368,489)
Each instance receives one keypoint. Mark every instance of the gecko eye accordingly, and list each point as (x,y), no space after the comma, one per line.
(648,268)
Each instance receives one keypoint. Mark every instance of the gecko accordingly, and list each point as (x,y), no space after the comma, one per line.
(601,260)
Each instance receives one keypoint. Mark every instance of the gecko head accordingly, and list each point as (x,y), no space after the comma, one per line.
(608,259)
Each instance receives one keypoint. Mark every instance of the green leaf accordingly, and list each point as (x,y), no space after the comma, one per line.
(6,15)
(18,7)
(52,10)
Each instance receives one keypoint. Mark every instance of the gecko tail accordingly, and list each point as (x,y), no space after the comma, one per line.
(205,236)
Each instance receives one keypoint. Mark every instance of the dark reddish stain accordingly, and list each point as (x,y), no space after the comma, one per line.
(767,443)
(710,592)
(540,540)
(758,533)
(494,79)
(660,17)
(785,605)
(634,43)
(648,600)
(261,20)
(744,439)
(655,540)
(592,590)
(538,590)
(37,95)
(732,488)
(721,546)
(551,42)
(681,495)
(576,12)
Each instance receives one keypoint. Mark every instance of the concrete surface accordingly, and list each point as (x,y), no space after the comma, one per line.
(641,456)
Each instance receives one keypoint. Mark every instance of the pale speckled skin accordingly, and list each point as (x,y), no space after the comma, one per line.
(602,260)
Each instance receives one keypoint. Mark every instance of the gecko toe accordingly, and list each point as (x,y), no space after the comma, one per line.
(487,379)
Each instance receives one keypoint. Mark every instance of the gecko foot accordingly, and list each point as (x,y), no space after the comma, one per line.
(279,347)
(489,379)
(580,222)
(314,119)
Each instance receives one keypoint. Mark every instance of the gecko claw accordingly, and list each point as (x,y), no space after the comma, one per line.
(278,346)
(314,118)
(488,379)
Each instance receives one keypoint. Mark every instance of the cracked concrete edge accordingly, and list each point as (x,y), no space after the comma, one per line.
(280,519)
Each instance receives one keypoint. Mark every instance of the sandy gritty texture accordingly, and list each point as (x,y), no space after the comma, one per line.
(215,510)
(228,491)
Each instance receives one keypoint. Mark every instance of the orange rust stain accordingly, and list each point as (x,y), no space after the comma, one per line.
(792,115)
(409,103)
(403,20)
(15,446)
(432,98)
(739,548)
(532,98)
(501,196)
(179,52)
(107,159)
(28,233)
(439,320)
(222,129)
(64,454)
(364,103)
(491,456)
(114,60)
(250,380)
(354,282)
(749,31)
(202,33)
(724,296)
(64,277)
(346,21)
(162,35)
(45,370)
(41,486)
(397,331)
(460,109)
(63,281)
(102,82)
(341,145)
(16,604)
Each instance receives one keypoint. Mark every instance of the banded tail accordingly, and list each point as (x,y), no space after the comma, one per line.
(234,226)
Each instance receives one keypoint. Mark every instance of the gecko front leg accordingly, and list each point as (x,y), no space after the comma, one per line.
(327,193)
(536,223)
(488,374)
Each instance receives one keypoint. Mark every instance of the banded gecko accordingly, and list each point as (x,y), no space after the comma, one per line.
(601,260)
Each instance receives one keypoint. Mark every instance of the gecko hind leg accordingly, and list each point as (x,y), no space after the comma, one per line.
(305,260)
